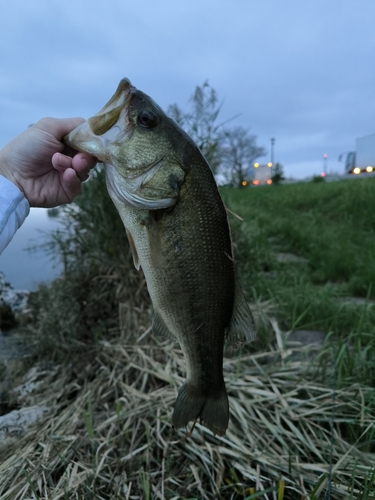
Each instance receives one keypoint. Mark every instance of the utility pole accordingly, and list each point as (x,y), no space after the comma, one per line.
(325,156)
(272,151)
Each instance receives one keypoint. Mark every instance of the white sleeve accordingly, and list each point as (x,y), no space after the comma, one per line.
(14,208)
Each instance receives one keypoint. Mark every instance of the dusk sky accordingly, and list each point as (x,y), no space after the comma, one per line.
(302,72)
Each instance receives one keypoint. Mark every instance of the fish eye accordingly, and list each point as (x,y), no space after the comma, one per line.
(147,118)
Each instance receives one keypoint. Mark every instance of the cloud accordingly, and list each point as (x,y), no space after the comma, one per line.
(302,72)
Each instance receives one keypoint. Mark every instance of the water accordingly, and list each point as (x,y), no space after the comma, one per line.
(26,269)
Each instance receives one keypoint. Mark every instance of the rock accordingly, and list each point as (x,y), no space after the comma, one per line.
(286,258)
(16,299)
(356,301)
(304,344)
(12,304)
(305,337)
(14,424)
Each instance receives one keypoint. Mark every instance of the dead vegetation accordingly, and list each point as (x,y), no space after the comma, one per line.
(107,434)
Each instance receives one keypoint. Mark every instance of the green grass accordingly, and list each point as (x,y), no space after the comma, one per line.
(111,396)
(331,225)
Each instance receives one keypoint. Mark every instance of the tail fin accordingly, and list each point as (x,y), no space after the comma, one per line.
(212,409)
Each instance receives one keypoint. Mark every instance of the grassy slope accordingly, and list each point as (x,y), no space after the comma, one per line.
(111,390)
(329,224)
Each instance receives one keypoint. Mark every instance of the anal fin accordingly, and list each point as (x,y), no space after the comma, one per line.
(159,328)
(242,325)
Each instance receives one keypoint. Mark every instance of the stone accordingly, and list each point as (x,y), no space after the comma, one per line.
(290,258)
(15,299)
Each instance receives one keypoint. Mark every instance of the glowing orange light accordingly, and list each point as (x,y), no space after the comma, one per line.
(244,183)
(256,182)
(269,181)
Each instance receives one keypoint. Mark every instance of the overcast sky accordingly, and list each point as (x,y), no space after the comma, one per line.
(300,71)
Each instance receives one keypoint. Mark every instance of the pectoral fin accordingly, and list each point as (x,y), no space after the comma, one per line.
(133,249)
(242,325)
(154,242)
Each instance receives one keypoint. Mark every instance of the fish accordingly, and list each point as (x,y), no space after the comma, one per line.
(179,234)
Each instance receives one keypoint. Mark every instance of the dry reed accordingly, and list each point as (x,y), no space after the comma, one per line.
(108,435)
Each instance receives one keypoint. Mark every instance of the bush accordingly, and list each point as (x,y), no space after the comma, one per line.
(81,307)
(318,178)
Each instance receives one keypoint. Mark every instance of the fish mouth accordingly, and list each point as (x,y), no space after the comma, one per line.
(106,128)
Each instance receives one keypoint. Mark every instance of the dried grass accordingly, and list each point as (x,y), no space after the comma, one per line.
(108,433)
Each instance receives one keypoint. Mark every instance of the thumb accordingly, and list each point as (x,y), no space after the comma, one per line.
(58,127)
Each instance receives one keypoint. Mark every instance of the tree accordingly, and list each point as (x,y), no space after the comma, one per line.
(201,122)
(278,173)
(230,152)
(239,151)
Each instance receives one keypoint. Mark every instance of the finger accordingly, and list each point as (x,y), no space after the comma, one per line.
(68,151)
(83,162)
(71,184)
(61,162)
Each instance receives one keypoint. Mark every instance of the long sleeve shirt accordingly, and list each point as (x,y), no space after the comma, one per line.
(14,208)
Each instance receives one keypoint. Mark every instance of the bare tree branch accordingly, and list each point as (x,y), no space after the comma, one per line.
(238,152)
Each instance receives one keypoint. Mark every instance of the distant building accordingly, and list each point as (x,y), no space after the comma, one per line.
(362,160)
(262,174)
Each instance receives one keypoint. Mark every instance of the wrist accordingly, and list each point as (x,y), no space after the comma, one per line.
(6,169)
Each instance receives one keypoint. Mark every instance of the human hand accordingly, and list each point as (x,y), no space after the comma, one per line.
(48,172)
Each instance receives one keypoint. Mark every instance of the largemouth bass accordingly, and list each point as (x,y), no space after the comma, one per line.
(179,235)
